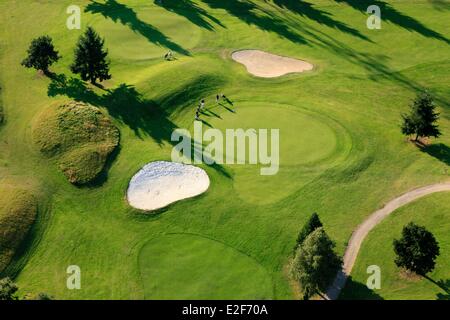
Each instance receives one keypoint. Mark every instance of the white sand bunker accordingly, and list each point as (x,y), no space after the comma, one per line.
(267,65)
(161,183)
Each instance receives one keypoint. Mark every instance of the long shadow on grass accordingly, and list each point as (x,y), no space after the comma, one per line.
(444,285)
(389,13)
(118,12)
(355,290)
(252,14)
(126,105)
(308,10)
(439,151)
(190,11)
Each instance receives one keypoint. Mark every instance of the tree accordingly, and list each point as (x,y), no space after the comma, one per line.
(312,224)
(8,289)
(41,54)
(422,119)
(315,263)
(90,58)
(416,250)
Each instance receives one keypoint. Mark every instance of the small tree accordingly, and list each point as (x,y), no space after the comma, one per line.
(312,224)
(315,263)
(41,54)
(8,289)
(422,119)
(416,250)
(90,58)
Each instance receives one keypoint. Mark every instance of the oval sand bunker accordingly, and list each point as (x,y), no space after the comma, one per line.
(161,183)
(267,65)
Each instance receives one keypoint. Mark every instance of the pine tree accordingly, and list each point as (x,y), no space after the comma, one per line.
(422,119)
(312,224)
(41,54)
(90,58)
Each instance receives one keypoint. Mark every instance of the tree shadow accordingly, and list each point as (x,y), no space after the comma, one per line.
(308,10)
(252,14)
(355,290)
(439,151)
(124,103)
(389,13)
(440,5)
(190,11)
(118,12)
(444,285)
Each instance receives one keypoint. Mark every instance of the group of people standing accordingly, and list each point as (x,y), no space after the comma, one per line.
(201,105)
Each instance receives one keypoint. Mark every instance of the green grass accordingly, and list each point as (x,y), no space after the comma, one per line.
(432,212)
(79,136)
(18,210)
(363,80)
(185,266)
(2,116)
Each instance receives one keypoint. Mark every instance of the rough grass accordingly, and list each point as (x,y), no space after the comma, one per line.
(18,209)
(2,116)
(432,212)
(79,136)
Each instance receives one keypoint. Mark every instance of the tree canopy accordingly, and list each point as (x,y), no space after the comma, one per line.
(422,119)
(416,250)
(90,58)
(315,263)
(8,289)
(312,224)
(41,54)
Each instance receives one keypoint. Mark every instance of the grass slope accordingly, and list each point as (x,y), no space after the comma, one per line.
(18,210)
(432,212)
(363,80)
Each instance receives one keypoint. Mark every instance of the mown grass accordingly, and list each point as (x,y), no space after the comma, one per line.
(362,82)
(432,212)
(186,266)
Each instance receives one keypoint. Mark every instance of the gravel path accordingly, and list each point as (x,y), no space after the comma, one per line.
(363,230)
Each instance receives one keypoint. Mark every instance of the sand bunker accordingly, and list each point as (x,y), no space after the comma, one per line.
(267,65)
(161,183)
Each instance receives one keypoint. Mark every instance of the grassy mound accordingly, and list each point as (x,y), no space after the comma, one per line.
(433,212)
(2,116)
(18,209)
(79,136)
(185,266)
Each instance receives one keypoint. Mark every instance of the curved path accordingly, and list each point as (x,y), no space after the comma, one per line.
(364,228)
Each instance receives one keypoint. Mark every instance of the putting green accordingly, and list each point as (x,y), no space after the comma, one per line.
(185,266)
(317,144)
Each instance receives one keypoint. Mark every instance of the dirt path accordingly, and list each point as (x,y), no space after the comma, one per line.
(364,228)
